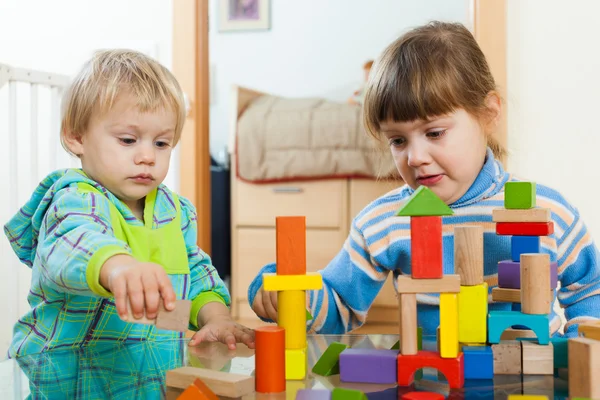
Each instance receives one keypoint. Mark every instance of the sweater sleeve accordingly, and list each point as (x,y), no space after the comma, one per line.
(206,285)
(579,274)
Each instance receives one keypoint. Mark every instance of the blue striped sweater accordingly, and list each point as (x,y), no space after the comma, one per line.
(379,243)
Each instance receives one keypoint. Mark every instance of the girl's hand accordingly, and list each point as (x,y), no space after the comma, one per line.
(223,329)
(143,285)
(265,304)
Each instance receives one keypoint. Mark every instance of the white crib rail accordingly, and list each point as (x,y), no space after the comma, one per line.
(25,170)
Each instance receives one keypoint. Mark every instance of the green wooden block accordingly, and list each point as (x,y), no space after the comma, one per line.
(561,351)
(519,195)
(329,364)
(347,394)
(424,202)
(308,316)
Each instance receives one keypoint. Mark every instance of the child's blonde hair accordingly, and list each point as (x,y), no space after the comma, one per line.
(429,71)
(111,72)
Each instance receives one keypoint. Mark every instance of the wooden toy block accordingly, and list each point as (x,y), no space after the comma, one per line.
(175,320)
(347,394)
(479,362)
(536,295)
(422,396)
(509,274)
(502,295)
(525,228)
(449,325)
(537,359)
(523,244)
(560,347)
(423,202)
(426,247)
(221,383)
(295,364)
(408,323)
(527,397)
(452,368)
(498,321)
(448,283)
(310,281)
(472,313)
(313,394)
(205,390)
(191,393)
(291,245)
(590,330)
(531,215)
(291,306)
(507,357)
(514,334)
(368,366)
(270,359)
(328,364)
(519,195)
(584,364)
(468,254)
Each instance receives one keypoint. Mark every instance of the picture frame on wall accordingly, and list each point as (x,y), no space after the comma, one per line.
(244,15)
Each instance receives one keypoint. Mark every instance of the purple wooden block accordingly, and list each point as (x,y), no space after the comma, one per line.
(369,366)
(313,394)
(509,274)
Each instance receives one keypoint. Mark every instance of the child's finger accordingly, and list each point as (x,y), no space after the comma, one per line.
(119,290)
(228,338)
(268,306)
(243,336)
(166,291)
(135,293)
(151,295)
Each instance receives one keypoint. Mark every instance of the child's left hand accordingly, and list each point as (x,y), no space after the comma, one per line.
(223,329)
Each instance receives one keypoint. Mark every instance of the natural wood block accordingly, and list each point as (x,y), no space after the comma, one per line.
(408,323)
(507,358)
(537,359)
(536,295)
(426,247)
(473,313)
(584,364)
(175,320)
(449,325)
(221,383)
(537,214)
(446,284)
(513,334)
(590,330)
(468,254)
(519,195)
(503,295)
(291,245)
(291,315)
(309,281)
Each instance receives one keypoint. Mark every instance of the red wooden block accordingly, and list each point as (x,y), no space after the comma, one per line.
(423,396)
(290,241)
(525,228)
(452,368)
(426,247)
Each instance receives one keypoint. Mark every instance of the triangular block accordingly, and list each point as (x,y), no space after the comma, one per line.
(424,202)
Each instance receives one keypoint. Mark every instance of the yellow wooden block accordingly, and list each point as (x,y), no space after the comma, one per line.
(310,281)
(295,364)
(449,325)
(590,330)
(291,315)
(527,397)
(472,313)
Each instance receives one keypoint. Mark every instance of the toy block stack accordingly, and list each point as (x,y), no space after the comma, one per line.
(291,282)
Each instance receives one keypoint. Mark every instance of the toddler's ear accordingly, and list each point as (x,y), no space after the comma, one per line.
(73,141)
(493,104)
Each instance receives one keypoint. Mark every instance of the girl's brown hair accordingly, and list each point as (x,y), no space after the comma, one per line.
(431,70)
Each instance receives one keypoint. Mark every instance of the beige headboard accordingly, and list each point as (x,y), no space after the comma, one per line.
(240,98)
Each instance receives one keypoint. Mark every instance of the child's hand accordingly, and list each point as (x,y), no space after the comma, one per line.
(265,304)
(142,284)
(223,329)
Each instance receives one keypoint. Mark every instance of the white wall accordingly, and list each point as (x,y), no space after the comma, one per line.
(314,48)
(552,95)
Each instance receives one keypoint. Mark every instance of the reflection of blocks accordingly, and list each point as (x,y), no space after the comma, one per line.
(310,281)
(498,321)
(472,313)
(452,368)
(347,394)
(368,366)
(295,364)
(313,394)
(479,362)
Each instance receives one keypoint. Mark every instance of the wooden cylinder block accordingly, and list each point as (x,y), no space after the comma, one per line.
(270,359)
(468,254)
(536,295)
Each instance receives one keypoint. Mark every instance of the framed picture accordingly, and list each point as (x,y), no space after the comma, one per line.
(244,15)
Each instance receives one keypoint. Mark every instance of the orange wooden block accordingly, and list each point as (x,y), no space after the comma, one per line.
(191,393)
(426,247)
(269,359)
(291,245)
(205,390)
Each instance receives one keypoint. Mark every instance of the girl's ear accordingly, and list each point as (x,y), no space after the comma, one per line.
(493,104)
(74,142)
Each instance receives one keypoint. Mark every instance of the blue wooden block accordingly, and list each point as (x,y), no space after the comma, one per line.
(561,351)
(523,244)
(498,321)
(479,362)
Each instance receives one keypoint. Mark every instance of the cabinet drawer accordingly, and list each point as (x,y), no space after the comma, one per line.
(323,203)
(256,248)
(364,191)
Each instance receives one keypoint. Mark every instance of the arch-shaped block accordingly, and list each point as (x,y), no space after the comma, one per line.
(498,321)
(452,368)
